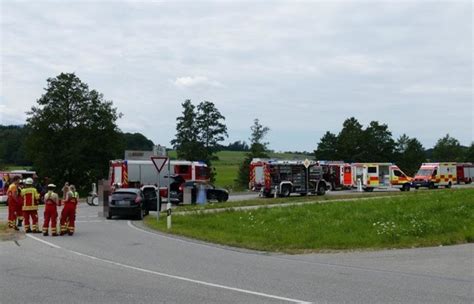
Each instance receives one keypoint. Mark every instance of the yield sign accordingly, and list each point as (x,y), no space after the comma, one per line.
(159,162)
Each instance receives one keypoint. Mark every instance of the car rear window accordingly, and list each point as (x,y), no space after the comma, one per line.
(120,196)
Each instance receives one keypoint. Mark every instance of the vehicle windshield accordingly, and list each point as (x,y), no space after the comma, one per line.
(424,172)
(120,196)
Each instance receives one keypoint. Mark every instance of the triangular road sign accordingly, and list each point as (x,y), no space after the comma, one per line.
(159,162)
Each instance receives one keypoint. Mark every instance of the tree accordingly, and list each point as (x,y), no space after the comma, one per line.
(211,128)
(409,154)
(198,132)
(258,149)
(186,139)
(136,141)
(447,149)
(73,132)
(349,141)
(469,156)
(326,149)
(378,145)
(12,145)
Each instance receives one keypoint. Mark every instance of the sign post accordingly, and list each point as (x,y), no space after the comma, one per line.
(168,201)
(159,162)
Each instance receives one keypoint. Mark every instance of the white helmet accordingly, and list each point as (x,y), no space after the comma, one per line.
(29,181)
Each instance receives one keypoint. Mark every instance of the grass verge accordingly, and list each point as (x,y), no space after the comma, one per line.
(424,218)
(285,200)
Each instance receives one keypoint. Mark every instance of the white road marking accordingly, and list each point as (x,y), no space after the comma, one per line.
(261,294)
(43,241)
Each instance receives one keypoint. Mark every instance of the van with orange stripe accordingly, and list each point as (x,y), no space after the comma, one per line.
(379,176)
(433,175)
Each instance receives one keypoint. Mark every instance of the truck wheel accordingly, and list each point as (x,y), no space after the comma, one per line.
(405,187)
(109,215)
(321,189)
(285,191)
(448,185)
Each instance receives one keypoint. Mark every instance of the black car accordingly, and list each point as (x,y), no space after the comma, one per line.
(132,202)
(212,193)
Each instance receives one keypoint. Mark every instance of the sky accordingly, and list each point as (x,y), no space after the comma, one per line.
(300,67)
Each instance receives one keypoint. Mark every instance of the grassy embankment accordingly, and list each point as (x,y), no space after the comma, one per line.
(424,218)
(227,166)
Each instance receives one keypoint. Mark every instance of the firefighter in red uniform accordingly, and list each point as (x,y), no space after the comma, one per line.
(19,204)
(51,201)
(68,215)
(13,201)
(30,198)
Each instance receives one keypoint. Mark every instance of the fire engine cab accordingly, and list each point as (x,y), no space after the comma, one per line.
(433,175)
(379,176)
(284,177)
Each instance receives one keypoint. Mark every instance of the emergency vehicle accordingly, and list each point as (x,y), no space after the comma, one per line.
(284,177)
(465,173)
(6,176)
(433,175)
(136,173)
(337,173)
(379,176)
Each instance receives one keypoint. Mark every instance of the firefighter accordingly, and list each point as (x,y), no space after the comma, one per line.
(68,214)
(51,201)
(19,204)
(30,198)
(13,201)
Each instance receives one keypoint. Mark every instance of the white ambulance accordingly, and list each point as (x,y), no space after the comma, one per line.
(379,176)
(433,175)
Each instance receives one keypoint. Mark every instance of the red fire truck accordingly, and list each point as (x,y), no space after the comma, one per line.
(465,173)
(135,173)
(337,173)
(284,177)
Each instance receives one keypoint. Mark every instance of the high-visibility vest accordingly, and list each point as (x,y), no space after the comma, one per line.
(51,198)
(30,199)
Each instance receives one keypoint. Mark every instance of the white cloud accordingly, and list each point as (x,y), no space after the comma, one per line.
(193,81)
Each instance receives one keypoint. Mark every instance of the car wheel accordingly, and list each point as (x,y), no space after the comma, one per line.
(109,215)
(222,198)
(405,187)
(140,214)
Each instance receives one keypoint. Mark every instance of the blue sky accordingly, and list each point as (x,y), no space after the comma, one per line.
(300,67)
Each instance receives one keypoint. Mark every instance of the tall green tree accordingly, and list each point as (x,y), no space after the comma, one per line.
(448,148)
(327,147)
(186,140)
(409,154)
(211,128)
(73,132)
(378,145)
(258,149)
(350,141)
(198,132)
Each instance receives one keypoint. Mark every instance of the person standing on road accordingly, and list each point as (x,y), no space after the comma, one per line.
(30,198)
(51,201)
(65,190)
(68,215)
(13,200)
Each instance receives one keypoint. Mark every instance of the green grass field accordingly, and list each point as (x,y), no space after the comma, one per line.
(424,218)
(227,166)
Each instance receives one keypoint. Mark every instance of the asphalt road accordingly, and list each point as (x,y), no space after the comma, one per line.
(118,261)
